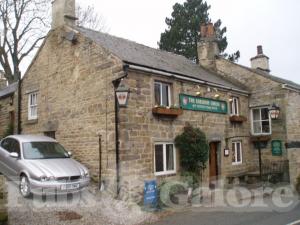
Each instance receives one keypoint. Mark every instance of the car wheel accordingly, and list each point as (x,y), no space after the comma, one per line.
(25,187)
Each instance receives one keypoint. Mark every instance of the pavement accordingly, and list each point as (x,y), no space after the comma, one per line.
(261,206)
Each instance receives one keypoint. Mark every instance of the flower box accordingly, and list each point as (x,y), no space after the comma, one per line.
(171,112)
(261,138)
(237,119)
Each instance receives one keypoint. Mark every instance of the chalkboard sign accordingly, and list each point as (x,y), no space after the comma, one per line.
(276,148)
(150,194)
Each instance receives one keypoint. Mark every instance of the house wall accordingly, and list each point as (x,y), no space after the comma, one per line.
(293,133)
(140,130)
(264,92)
(75,99)
(6,111)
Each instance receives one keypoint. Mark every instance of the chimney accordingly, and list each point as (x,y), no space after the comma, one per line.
(260,61)
(207,46)
(3,80)
(63,13)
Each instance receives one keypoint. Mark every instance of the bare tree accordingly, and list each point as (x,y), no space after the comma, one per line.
(89,18)
(23,25)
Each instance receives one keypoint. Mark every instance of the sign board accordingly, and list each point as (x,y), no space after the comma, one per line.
(150,193)
(276,148)
(194,103)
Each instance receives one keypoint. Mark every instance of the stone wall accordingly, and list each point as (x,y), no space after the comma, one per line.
(75,99)
(294,164)
(140,129)
(7,113)
(293,116)
(264,92)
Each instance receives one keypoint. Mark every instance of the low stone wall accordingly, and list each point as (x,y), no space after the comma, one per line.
(294,164)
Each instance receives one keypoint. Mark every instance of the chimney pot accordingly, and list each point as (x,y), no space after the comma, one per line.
(207,31)
(259,50)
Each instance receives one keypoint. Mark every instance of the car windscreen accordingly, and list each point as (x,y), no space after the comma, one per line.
(44,150)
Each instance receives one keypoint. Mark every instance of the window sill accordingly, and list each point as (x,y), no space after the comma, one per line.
(165,173)
(237,163)
(32,121)
(260,137)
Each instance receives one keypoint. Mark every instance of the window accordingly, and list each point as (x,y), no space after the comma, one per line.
(261,122)
(237,154)
(11,145)
(234,106)
(162,94)
(50,134)
(32,106)
(165,159)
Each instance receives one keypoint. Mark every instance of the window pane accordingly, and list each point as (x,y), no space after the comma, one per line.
(257,127)
(265,126)
(157,93)
(170,157)
(236,102)
(233,152)
(159,158)
(256,114)
(165,94)
(238,152)
(264,114)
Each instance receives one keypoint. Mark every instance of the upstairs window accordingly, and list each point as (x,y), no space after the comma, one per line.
(234,106)
(162,94)
(261,121)
(32,106)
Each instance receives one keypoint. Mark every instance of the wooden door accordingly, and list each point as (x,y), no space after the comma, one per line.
(213,164)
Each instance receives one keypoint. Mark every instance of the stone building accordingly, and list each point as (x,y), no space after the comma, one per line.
(7,107)
(68,93)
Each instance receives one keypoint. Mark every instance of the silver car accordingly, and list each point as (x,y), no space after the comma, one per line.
(41,165)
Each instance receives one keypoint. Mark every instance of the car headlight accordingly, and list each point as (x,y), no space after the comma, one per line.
(85,174)
(46,178)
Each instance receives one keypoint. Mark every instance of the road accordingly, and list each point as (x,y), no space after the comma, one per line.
(196,216)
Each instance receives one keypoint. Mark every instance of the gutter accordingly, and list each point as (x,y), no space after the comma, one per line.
(290,87)
(182,77)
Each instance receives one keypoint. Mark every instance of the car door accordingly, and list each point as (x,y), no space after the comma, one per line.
(4,154)
(13,164)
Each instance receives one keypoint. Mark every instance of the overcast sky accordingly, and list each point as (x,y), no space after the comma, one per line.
(270,23)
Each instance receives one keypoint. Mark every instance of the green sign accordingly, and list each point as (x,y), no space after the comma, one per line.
(202,104)
(276,148)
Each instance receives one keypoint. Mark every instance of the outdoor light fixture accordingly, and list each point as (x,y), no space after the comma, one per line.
(274,111)
(122,94)
(198,93)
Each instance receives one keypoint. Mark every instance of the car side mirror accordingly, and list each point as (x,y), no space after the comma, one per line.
(14,155)
(70,154)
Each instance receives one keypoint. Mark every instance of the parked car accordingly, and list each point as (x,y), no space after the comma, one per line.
(41,165)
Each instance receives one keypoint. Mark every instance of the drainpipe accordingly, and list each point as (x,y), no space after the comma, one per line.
(19,129)
(116,83)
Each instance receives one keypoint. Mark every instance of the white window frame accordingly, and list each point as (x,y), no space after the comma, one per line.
(252,121)
(234,151)
(233,111)
(32,105)
(165,171)
(161,96)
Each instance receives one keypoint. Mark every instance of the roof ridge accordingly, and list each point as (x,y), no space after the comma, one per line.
(265,74)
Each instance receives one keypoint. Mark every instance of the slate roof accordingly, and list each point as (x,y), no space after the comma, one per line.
(132,52)
(269,76)
(9,90)
(276,79)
